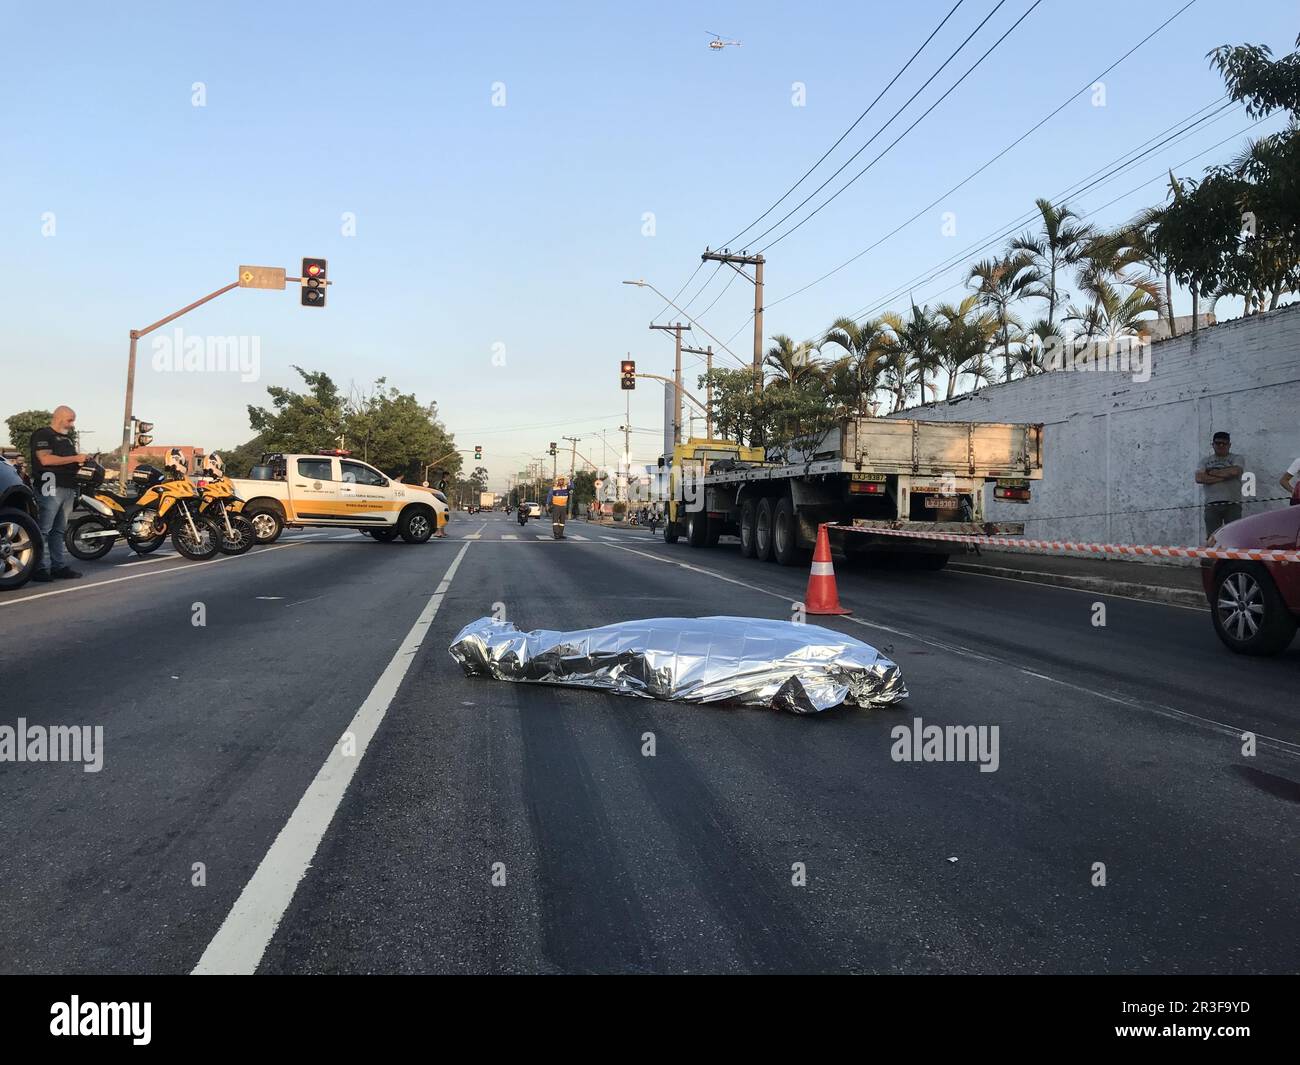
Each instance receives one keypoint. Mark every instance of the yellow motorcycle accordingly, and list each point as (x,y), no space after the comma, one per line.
(220,502)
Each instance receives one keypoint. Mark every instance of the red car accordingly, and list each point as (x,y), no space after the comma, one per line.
(1256,605)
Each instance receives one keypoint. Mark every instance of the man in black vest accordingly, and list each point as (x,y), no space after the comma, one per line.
(55,459)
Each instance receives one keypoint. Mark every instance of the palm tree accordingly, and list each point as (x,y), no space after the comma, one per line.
(791,363)
(1141,238)
(1057,245)
(918,352)
(868,346)
(999,283)
(961,337)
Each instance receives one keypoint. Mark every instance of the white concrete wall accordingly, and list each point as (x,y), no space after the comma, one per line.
(1120,455)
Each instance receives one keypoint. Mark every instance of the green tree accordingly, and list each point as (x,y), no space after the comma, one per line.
(854,379)
(1058,244)
(301,421)
(738,414)
(961,338)
(999,284)
(23,424)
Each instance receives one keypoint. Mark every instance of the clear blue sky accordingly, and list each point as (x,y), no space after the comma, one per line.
(479,225)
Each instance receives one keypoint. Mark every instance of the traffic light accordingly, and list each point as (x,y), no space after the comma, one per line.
(478,452)
(627,371)
(552,447)
(313,282)
(143,431)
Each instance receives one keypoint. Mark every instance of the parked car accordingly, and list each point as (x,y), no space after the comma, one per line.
(534,510)
(20,534)
(1256,605)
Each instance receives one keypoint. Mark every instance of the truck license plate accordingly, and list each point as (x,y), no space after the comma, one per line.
(942,502)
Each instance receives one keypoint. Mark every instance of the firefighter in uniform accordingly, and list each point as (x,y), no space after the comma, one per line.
(557,502)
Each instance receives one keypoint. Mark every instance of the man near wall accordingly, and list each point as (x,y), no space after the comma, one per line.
(1291,482)
(1220,473)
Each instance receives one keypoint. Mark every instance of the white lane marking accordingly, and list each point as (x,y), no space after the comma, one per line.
(611,539)
(509,536)
(268,597)
(541,536)
(575,536)
(153,573)
(165,557)
(244,935)
(1285,746)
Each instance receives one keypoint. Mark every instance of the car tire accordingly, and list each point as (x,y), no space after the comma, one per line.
(1249,614)
(416,525)
(785,533)
(88,550)
(21,548)
(748,516)
(384,536)
(268,523)
(763,530)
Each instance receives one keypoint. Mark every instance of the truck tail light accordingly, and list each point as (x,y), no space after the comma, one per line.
(866,487)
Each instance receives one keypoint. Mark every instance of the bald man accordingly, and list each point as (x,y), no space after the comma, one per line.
(54,477)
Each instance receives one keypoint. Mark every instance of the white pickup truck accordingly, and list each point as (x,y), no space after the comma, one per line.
(332,489)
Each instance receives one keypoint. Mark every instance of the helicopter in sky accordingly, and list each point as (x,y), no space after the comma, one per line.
(718,44)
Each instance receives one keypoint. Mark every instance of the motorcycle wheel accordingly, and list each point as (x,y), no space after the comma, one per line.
(196,548)
(88,549)
(244,535)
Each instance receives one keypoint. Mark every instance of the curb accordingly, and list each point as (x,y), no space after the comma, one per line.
(1152,593)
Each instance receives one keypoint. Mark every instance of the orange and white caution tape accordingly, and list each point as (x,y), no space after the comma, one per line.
(1070,547)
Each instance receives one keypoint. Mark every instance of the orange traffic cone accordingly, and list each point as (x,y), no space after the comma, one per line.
(821,597)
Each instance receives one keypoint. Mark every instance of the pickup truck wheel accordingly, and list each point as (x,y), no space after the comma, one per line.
(268,522)
(785,533)
(748,515)
(416,525)
(697,529)
(763,531)
(20,548)
(1249,614)
(384,536)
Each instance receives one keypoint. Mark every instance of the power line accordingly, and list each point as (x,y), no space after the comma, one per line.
(1004,233)
(680,290)
(921,118)
(902,70)
(975,173)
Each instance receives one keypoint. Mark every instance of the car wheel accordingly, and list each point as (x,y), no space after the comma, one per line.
(20,548)
(748,515)
(1248,612)
(268,524)
(763,531)
(416,525)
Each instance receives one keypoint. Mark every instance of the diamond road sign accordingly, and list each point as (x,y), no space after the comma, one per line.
(261,277)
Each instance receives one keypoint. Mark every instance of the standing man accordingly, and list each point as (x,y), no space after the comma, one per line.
(557,501)
(1220,473)
(55,459)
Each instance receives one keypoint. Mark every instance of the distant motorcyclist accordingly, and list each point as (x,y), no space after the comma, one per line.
(557,502)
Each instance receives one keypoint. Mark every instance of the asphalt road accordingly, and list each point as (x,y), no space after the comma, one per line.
(487,827)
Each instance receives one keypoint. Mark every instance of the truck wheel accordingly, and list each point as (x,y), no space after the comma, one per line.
(931,562)
(671,532)
(384,536)
(697,529)
(416,525)
(1249,615)
(748,515)
(714,534)
(268,521)
(785,533)
(21,548)
(763,531)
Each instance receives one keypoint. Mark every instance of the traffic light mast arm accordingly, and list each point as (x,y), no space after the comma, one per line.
(670,381)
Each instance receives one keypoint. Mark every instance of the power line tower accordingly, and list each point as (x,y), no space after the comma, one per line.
(736,262)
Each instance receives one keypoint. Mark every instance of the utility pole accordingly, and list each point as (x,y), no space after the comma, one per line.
(708,387)
(677,378)
(573,460)
(756,261)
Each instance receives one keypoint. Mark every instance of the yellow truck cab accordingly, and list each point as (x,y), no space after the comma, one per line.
(333,489)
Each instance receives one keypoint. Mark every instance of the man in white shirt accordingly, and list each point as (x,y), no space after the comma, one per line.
(1290,481)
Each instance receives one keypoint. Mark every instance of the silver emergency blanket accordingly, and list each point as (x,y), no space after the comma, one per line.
(748,661)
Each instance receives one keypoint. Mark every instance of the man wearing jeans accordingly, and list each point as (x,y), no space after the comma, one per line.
(54,479)
(1220,473)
